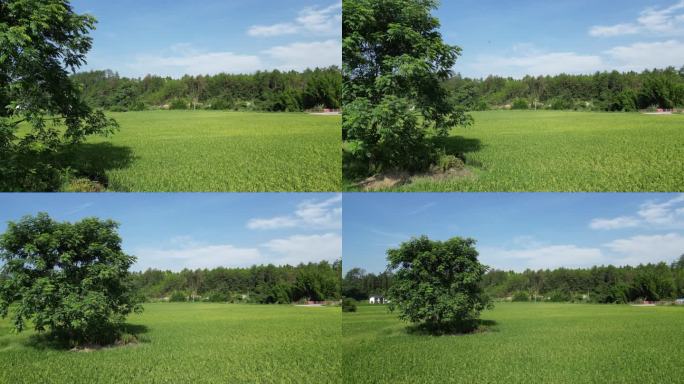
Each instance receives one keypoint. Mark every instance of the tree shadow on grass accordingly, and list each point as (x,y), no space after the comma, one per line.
(128,334)
(460,147)
(93,161)
(26,169)
(452,329)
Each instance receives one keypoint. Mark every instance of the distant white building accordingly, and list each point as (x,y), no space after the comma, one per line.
(377,299)
(680,301)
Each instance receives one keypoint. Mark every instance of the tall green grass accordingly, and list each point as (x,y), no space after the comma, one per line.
(549,151)
(193,343)
(529,343)
(207,151)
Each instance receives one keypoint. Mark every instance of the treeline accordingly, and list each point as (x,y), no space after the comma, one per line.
(604,284)
(602,91)
(264,284)
(273,91)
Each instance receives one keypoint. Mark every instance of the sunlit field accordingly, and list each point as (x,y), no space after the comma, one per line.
(565,152)
(522,343)
(193,343)
(207,151)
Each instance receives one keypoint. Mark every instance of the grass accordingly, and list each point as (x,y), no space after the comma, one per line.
(529,343)
(549,151)
(193,343)
(207,151)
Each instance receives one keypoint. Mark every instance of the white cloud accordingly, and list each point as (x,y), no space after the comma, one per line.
(651,214)
(273,30)
(666,21)
(303,249)
(640,56)
(616,223)
(311,20)
(326,214)
(538,63)
(665,213)
(552,256)
(182,59)
(647,248)
(198,256)
(614,30)
(300,56)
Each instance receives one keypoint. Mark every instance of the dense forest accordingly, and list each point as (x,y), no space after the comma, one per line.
(604,284)
(602,91)
(273,91)
(264,284)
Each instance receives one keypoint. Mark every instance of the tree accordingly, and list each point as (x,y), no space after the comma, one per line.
(394,66)
(41,41)
(68,278)
(437,284)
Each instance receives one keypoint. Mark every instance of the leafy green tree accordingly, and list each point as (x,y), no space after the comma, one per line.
(68,278)
(437,283)
(394,66)
(348,305)
(41,42)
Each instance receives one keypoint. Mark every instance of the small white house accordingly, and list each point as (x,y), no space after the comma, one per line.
(376,299)
(679,301)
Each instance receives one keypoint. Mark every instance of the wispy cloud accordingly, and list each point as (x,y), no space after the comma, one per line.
(651,214)
(643,249)
(311,20)
(543,257)
(667,21)
(326,214)
(300,56)
(305,248)
(182,59)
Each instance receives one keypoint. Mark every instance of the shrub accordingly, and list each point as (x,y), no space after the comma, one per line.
(448,162)
(348,305)
(520,104)
(178,104)
(559,296)
(520,296)
(177,297)
(218,297)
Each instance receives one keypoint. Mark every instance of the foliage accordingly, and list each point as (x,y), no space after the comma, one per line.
(40,42)
(551,151)
(437,283)
(194,343)
(602,91)
(70,279)
(394,64)
(520,296)
(265,284)
(359,285)
(520,104)
(524,342)
(211,151)
(275,91)
(348,305)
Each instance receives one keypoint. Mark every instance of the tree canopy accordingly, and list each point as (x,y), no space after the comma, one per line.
(437,283)
(68,278)
(394,65)
(263,284)
(41,43)
(601,91)
(272,91)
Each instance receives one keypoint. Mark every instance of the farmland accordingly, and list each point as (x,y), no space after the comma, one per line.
(202,343)
(514,151)
(206,151)
(524,343)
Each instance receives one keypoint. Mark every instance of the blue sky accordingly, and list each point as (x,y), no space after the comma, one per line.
(514,38)
(177,37)
(176,231)
(519,231)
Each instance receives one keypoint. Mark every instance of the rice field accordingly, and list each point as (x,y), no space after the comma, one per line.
(193,343)
(552,151)
(526,343)
(207,151)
